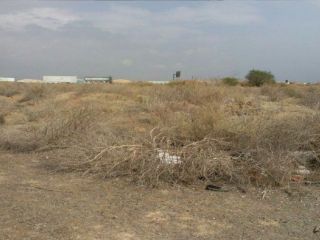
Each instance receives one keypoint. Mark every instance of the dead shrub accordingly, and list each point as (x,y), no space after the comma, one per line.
(34,92)
(8,90)
(274,93)
(67,124)
(145,164)
(62,130)
(186,91)
(123,90)
(160,160)
(22,139)
(285,134)
(311,98)
(265,168)
(292,91)
(277,93)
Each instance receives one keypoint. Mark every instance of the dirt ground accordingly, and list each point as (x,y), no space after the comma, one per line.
(38,204)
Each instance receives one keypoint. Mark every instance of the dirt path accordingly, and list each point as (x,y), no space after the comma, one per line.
(35,204)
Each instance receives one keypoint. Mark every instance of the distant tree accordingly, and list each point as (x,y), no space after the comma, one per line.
(231,81)
(258,78)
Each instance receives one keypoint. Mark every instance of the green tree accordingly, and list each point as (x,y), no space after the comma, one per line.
(258,78)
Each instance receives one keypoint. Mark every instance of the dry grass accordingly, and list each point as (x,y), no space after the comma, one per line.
(242,135)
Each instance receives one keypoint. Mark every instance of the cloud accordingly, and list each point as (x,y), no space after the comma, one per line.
(47,18)
(121,19)
(316,2)
(160,66)
(218,13)
(127,62)
(136,21)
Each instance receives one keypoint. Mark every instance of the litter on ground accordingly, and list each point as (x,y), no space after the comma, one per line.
(166,158)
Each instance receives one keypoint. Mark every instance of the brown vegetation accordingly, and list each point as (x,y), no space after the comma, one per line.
(241,135)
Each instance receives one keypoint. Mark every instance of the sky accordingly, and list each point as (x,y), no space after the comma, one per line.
(150,40)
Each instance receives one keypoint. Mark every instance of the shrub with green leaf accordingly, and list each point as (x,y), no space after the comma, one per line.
(231,81)
(258,78)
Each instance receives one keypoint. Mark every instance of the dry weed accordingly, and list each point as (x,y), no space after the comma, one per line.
(2,119)
(8,91)
(68,124)
(218,133)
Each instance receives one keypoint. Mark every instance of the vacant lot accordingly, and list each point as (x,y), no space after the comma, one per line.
(131,161)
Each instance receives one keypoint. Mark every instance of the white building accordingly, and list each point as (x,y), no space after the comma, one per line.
(6,79)
(60,79)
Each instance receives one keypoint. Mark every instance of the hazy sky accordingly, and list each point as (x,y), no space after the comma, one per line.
(149,40)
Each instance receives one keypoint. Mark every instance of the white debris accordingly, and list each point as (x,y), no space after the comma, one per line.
(30,81)
(302,170)
(165,157)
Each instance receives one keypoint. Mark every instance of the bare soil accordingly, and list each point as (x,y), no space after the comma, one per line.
(36,203)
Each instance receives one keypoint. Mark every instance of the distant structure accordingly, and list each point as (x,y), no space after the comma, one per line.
(60,79)
(288,82)
(159,82)
(29,81)
(7,79)
(98,79)
(176,75)
(121,81)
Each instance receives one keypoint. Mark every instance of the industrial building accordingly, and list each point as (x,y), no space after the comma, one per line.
(98,79)
(60,79)
(7,79)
